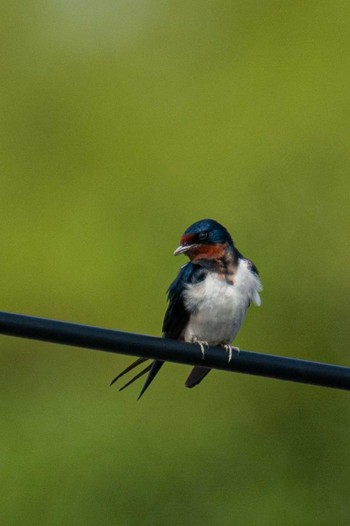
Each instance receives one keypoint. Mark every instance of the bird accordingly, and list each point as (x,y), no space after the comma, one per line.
(209,298)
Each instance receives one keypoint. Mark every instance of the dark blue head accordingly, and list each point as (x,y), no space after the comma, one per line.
(205,238)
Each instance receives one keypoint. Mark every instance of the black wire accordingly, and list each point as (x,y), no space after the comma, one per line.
(174,351)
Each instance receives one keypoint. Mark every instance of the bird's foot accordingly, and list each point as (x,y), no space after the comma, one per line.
(202,345)
(229,350)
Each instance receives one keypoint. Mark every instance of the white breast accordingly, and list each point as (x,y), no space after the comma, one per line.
(218,308)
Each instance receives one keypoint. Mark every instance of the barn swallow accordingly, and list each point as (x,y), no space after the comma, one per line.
(209,298)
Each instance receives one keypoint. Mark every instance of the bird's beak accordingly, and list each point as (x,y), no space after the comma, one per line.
(182,249)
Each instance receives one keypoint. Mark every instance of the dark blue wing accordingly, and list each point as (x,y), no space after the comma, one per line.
(175,320)
(176,316)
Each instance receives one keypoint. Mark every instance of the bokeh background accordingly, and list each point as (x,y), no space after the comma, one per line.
(121,124)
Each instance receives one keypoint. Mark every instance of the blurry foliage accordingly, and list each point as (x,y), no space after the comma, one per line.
(122,123)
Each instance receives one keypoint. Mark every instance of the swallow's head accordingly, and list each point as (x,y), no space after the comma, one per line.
(205,239)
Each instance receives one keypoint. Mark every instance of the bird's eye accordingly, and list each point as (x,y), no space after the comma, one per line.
(202,236)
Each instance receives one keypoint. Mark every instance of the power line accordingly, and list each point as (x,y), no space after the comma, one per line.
(119,342)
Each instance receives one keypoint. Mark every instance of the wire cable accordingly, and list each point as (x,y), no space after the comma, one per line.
(151,347)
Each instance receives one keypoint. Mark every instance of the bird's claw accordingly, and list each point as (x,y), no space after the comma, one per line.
(202,345)
(229,350)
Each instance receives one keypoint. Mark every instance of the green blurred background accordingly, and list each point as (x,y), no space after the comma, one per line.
(121,124)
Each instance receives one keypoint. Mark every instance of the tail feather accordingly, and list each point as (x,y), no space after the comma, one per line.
(156,365)
(196,376)
(129,368)
(152,370)
(144,371)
